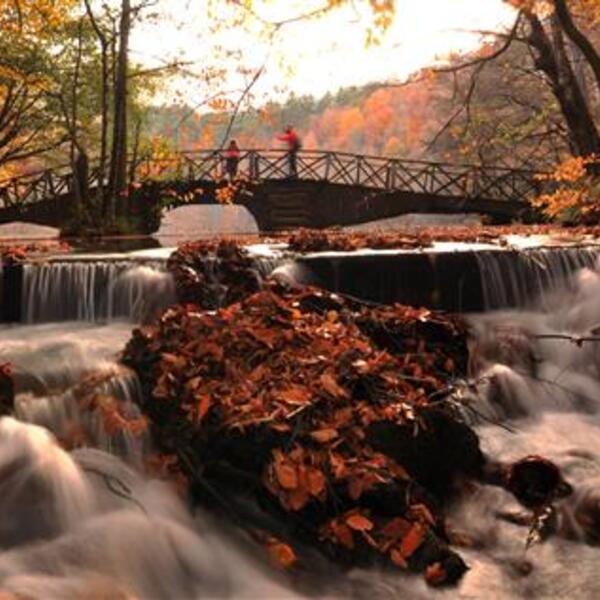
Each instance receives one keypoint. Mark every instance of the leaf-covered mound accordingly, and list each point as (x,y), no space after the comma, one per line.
(326,414)
(213,273)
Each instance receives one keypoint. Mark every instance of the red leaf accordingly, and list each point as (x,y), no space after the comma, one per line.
(435,574)
(359,522)
(203,407)
(282,554)
(413,540)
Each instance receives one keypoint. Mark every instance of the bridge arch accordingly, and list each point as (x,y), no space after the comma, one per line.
(187,221)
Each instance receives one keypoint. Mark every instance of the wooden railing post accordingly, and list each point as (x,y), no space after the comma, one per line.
(328,161)
(190,170)
(358,169)
(388,175)
(254,168)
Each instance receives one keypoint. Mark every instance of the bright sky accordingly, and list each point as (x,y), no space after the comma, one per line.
(314,56)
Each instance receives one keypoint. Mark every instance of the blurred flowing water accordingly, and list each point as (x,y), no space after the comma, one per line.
(87,523)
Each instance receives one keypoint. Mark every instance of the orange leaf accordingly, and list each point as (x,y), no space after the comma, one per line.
(356,487)
(332,387)
(343,534)
(282,554)
(315,481)
(286,476)
(298,499)
(359,522)
(324,435)
(281,427)
(295,394)
(413,540)
(435,574)
(203,406)
(396,528)
(338,466)
(398,559)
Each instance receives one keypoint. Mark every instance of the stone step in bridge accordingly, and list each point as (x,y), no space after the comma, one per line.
(328,188)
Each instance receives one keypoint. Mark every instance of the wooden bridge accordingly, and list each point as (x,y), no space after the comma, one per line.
(329,188)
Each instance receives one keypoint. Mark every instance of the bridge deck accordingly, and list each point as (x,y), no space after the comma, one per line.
(342,168)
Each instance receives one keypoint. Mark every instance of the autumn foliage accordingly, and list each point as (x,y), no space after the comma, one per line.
(286,392)
(11,253)
(576,197)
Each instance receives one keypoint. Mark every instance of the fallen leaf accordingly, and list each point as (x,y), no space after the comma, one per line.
(343,534)
(331,386)
(298,499)
(435,574)
(324,435)
(398,559)
(286,476)
(359,522)
(281,554)
(295,394)
(413,540)
(315,481)
(203,407)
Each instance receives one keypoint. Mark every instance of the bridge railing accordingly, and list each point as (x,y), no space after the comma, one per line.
(433,178)
(372,172)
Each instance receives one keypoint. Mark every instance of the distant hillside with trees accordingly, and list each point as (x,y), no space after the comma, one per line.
(495,112)
(395,121)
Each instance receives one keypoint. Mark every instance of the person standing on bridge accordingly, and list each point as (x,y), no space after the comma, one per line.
(232,160)
(292,139)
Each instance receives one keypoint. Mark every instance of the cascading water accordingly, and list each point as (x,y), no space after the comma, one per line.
(95,290)
(518,278)
(87,524)
(538,392)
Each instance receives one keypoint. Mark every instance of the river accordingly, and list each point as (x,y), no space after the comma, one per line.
(87,524)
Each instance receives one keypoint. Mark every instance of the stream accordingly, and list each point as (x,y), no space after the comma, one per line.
(88,524)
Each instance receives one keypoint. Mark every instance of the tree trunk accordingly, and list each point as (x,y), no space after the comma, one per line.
(118,166)
(553,61)
(565,19)
(101,194)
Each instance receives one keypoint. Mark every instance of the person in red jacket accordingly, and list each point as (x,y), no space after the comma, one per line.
(232,160)
(291,138)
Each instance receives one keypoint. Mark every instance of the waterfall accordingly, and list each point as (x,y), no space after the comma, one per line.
(95,290)
(516,279)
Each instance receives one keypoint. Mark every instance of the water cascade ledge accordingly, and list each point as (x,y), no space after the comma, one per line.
(464,281)
(104,289)
(85,290)
(94,289)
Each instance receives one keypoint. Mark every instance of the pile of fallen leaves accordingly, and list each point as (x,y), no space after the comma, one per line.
(307,240)
(332,240)
(329,414)
(13,253)
(213,274)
